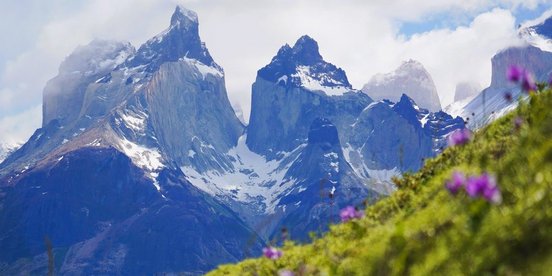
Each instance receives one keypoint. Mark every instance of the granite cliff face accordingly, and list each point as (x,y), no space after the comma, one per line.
(295,88)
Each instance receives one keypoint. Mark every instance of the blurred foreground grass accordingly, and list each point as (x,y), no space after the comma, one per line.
(423,230)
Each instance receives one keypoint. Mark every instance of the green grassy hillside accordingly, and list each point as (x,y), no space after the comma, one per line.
(422,229)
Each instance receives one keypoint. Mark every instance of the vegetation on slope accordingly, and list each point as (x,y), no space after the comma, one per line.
(423,229)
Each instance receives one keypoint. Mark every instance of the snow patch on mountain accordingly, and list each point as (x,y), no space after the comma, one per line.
(145,158)
(7,149)
(379,180)
(331,161)
(310,83)
(363,170)
(303,66)
(136,122)
(149,159)
(252,179)
(537,40)
(457,108)
(203,69)
(538,32)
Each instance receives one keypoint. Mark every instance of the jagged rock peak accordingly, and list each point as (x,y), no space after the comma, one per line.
(408,109)
(406,101)
(180,41)
(306,50)
(182,14)
(303,66)
(409,78)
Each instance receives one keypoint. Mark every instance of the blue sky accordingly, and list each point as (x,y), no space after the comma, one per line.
(451,20)
(363,37)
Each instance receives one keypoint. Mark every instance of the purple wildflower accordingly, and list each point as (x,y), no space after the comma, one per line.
(460,137)
(475,186)
(523,77)
(515,73)
(349,213)
(457,181)
(484,186)
(272,253)
(492,194)
(285,272)
(528,82)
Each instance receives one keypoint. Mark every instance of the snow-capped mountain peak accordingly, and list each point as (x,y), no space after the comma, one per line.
(538,33)
(179,41)
(303,66)
(409,78)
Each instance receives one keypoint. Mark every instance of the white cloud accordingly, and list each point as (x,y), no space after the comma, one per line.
(17,128)
(243,35)
(463,54)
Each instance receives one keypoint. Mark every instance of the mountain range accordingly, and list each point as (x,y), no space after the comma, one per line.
(142,166)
